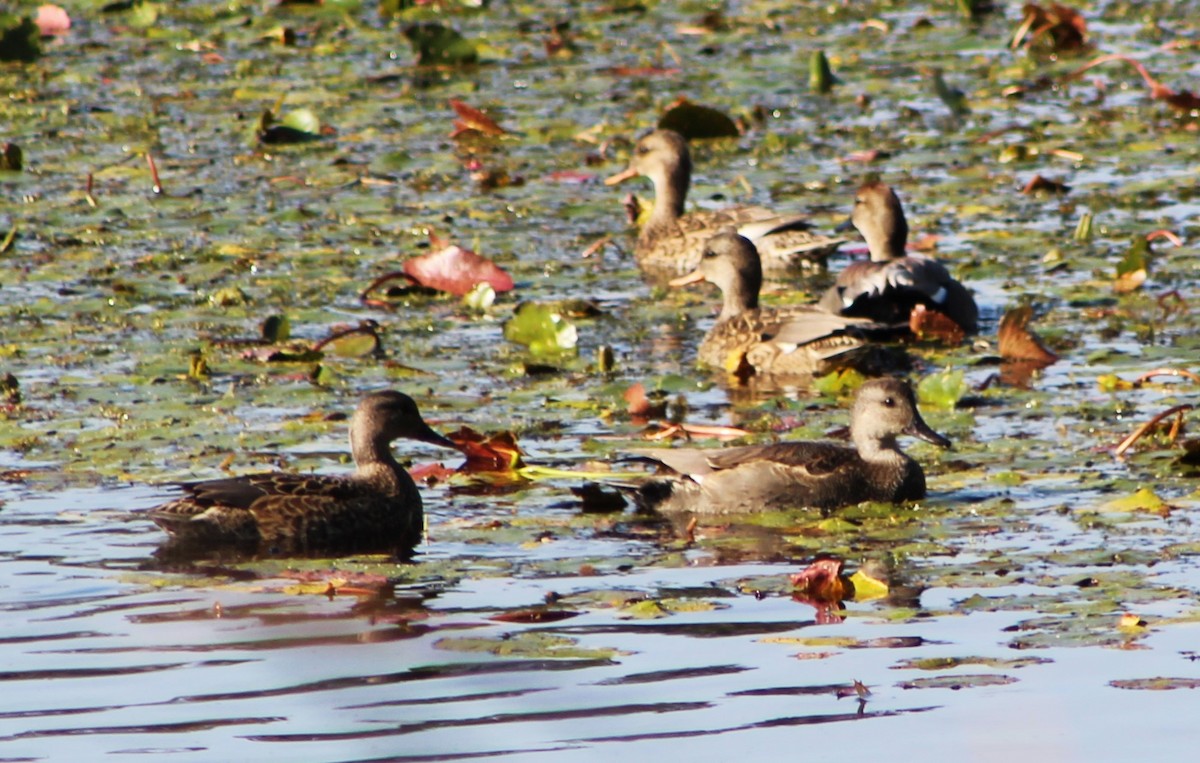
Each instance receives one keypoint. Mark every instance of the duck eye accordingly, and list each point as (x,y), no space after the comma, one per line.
(889,402)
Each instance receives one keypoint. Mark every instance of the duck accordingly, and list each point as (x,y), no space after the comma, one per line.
(377,507)
(671,242)
(747,338)
(892,283)
(808,474)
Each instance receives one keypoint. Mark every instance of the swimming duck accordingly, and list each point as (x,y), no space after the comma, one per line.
(377,507)
(671,242)
(887,287)
(798,339)
(820,475)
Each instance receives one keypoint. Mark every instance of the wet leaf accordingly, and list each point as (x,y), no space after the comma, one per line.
(543,329)
(471,119)
(820,75)
(494,453)
(1039,184)
(276,329)
(455,270)
(696,122)
(437,45)
(534,615)
(300,126)
(931,325)
(958,681)
(943,389)
(1144,499)
(822,581)
(1017,342)
(52,20)
(1160,683)
(1134,267)
(867,588)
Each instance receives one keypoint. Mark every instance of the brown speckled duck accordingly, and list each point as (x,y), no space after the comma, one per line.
(797,339)
(820,475)
(888,286)
(376,508)
(671,242)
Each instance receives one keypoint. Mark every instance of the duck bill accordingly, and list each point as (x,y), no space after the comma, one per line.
(621,177)
(694,277)
(845,226)
(433,438)
(918,428)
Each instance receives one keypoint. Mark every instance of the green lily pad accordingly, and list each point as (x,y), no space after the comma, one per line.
(943,389)
(543,329)
(435,44)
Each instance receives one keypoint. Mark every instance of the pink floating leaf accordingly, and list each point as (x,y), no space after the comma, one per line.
(456,270)
(52,21)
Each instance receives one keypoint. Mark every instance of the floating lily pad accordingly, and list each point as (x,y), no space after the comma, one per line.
(435,44)
(956,682)
(543,329)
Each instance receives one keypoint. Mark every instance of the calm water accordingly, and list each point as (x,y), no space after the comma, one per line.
(102,664)
(1017,567)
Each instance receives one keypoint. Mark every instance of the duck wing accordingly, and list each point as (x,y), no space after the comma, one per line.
(816,458)
(244,492)
(887,291)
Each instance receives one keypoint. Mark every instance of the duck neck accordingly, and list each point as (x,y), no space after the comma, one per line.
(738,299)
(670,191)
(371,452)
(877,449)
(887,239)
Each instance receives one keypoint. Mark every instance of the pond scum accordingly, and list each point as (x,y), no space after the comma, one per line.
(223,224)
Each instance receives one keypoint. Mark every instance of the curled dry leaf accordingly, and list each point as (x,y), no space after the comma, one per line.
(823,581)
(471,119)
(1059,27)
(1038,183)
(1017,342)
(927,324)
(496,453)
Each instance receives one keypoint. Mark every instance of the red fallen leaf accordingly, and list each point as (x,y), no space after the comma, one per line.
(639,404)
(1017,342)
(930,324)
(534,616)
(926,242)
(1039,183)
(472,119)
(434,472)
(498,453)
(822,581)
(52,21)
(455,270)
(572,176)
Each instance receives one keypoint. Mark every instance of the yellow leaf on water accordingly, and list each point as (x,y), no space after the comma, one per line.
(1142,500)
(867,588)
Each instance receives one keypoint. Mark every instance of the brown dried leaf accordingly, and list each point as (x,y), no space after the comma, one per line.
(1017,342)
(471,119)
(927,324)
